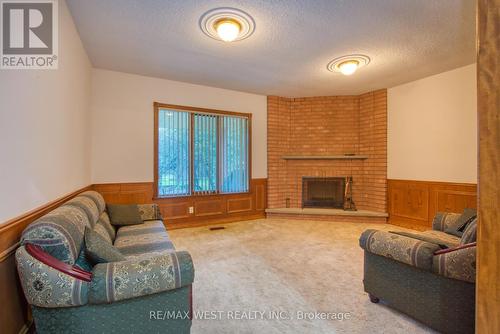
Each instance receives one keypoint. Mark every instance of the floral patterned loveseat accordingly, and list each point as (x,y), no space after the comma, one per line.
(116,297)
(428,275)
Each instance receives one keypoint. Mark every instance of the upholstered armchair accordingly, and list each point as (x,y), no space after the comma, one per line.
(428,275)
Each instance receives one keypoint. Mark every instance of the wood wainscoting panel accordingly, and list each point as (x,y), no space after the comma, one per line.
(175,210)
(206,209)
(209,207)
(454,201)
(414,204)
(260,196)
(15,312)
(239,204)
(409,201)
(126,193)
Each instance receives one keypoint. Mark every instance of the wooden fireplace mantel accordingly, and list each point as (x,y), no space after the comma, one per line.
(324,157)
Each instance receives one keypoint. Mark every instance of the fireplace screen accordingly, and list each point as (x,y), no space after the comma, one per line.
(323,192)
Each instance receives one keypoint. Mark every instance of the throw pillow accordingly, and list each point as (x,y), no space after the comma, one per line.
(83,262)
(457,228)
(470,233)
(101,230)
(106,222)
(120,214)
(470,214)
(149,212)
(99,250)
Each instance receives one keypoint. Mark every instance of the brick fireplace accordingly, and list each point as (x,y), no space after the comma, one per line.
(328,137)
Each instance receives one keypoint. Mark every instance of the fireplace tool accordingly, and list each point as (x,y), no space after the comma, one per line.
(348,201)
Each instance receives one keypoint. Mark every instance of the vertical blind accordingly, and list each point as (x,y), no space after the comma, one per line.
(174,153)
(234,158)
(205,154)
(202,153)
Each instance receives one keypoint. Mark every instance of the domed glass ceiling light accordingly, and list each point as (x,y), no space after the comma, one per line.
(227,24)
(228,29)
(347,65)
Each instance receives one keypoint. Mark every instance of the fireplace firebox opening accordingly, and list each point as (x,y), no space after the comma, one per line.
(327,192)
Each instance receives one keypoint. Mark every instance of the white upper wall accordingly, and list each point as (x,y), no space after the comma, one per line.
(123,122)
(432,128)
(44,127)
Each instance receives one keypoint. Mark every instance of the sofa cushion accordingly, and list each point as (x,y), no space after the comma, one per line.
(150,237)
(121,214)
(98,250)
(458,226)
(422,237)
(446,239)
(87,205)
(97,198)
(470,233)
(59,233)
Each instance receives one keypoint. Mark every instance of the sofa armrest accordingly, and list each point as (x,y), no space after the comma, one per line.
(39,254)
(149,211)
(442,220)
(142,276)
(46,286)
(457,263)
(400,248)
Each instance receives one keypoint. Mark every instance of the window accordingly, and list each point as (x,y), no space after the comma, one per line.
(201,151)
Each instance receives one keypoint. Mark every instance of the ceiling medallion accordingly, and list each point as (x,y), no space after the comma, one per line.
(347,65)
(227,24)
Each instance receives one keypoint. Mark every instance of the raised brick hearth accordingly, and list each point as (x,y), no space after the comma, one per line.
(328,126)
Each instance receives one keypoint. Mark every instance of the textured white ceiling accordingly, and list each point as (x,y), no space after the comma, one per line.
(293,41)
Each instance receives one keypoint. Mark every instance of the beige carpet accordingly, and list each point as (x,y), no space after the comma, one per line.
(248,273)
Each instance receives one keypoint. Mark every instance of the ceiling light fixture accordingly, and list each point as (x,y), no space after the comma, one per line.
(228,29)
(227,24)
(347,65)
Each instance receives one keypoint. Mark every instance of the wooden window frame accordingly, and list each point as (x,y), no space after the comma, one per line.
(196,110)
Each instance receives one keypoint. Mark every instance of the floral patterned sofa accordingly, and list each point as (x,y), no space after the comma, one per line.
(148,292)
(428,275)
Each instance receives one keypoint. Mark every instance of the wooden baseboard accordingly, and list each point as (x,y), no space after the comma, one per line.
(414,204)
